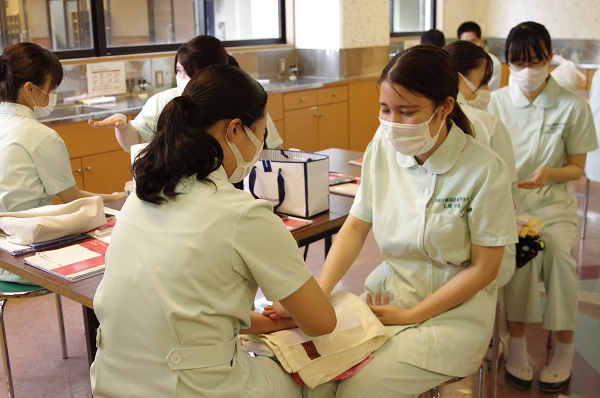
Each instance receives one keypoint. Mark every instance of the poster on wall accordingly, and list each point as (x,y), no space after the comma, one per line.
(106,78)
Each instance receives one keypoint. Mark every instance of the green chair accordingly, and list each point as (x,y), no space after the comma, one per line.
(10,291)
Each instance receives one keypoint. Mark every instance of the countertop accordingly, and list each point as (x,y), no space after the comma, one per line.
(70,113)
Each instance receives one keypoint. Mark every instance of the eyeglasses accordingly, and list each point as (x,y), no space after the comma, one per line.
(531,64)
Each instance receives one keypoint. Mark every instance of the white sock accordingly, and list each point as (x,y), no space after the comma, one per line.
(562,362)
(517,353)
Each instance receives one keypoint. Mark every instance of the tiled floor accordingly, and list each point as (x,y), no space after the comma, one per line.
(39,370)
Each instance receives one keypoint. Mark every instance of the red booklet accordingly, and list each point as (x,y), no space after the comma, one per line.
(347,185)
(72,262)
(293,223)
(356,162)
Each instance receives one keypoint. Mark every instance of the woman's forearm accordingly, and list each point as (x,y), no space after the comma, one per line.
(263,324)
(346,247)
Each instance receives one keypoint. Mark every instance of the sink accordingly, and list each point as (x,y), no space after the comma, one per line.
(63,111)
(303,82)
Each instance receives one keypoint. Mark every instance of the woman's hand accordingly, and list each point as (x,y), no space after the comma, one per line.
(114,196)
(117,120)
(275,311)
(389,314)
(537,181)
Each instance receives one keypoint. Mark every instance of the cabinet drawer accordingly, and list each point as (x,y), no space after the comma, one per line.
(333,94)
(300,99)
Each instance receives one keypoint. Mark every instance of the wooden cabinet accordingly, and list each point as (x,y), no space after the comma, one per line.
(275,109)
(364,112)
(98,162)
(316,119)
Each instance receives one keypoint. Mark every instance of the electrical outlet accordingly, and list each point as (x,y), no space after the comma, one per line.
(158,78)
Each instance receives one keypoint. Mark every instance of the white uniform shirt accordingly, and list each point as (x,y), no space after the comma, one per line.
(181,277)
(425,219)
(491,132)
(494,82)
(34,162)
(543,133)
(145,122)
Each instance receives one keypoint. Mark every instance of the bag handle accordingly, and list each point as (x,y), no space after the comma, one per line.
(280,186)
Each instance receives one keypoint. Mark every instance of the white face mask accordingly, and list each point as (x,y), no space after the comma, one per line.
(243,168)
(181,83)
(482,96)
(410,139)
(529,79)
(43,111)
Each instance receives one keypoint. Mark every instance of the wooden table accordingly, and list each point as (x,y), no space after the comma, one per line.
(324,226)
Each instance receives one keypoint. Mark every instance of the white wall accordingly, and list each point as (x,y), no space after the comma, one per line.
(365,23)
(564,19)
(337,24)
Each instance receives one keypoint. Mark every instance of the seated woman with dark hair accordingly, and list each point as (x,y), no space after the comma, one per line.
(189,253)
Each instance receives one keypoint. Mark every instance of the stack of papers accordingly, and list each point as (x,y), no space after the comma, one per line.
(343,184)
(73,262)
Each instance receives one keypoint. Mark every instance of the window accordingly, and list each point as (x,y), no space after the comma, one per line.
(410,17)
(84,28)
(59,25)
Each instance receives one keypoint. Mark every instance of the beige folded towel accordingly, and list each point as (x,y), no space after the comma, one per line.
(319,359)
(52,222)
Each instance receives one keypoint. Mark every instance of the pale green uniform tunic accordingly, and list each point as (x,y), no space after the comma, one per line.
(34,164)
(145,122)
(180,282)
(425,219)
(557,124)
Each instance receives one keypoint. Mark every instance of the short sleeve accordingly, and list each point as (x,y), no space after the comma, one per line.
(582,137)
(145,122)
(273,138)
(265,252)
(491,214)
(362,208)
(52,164)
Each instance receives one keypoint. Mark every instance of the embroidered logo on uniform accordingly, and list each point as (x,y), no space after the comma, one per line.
(452,203)
(552,128)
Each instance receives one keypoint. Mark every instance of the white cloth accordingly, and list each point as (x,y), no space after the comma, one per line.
(145,122)
(319,359)
(425,219)
(34,162)
(50,222)
(184,275)
(494,82)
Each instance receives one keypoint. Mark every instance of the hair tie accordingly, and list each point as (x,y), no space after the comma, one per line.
(186,101)
(2,68)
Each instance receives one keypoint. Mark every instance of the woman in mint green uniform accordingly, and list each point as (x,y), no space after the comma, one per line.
(440,208)
(552,130)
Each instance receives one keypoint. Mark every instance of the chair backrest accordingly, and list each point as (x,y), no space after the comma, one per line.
(592,164)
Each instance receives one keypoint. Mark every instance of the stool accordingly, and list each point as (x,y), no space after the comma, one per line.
(481,384)
(10,291)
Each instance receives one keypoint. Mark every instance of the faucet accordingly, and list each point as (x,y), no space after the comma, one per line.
(293,73)
(281,68)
